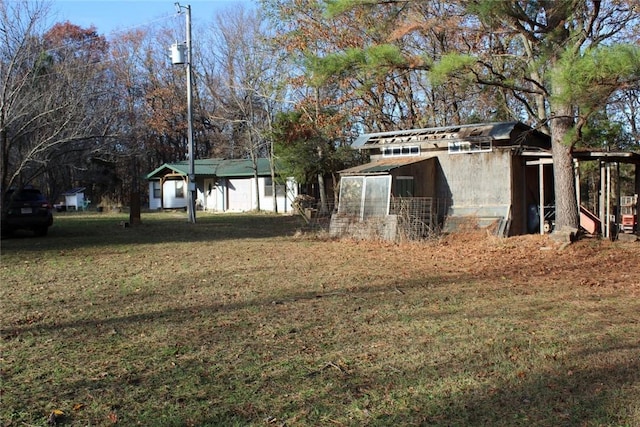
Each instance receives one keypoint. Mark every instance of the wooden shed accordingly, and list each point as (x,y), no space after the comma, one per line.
(479,175)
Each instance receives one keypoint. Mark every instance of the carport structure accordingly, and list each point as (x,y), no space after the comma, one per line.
(607,221)
(610,197)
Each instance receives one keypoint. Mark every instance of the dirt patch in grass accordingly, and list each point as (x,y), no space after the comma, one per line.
(242,320)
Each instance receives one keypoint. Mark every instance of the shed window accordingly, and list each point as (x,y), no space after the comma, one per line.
(156,189)
(365,196)
(404,186)
(179,189)
(407,150)
(476,146)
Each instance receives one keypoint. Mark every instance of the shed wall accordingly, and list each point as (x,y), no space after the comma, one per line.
(475,179)
(74,200)
(424,174)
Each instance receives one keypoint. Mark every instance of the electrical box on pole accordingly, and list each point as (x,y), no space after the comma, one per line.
(178,53)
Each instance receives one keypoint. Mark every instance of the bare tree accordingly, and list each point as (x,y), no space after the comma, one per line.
(53,105)
(242,73)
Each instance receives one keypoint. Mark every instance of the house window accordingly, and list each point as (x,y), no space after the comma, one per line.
(156,189)
(404,186)
(268,187)
(179,189)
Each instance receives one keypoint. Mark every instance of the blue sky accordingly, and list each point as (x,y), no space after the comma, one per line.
(114,15)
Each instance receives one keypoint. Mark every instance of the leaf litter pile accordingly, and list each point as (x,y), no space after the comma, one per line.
(295,329)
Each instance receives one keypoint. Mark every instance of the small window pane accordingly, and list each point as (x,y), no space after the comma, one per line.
(179,189)
(376,197)
(156,189)
(404,186)
(350,195)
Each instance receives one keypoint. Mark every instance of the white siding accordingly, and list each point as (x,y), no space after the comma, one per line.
(235,195)
(283,200)
(240,192)
(209,196)
(170,200)
(75,201)
(154,202)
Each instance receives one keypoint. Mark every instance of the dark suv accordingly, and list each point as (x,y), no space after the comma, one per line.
(26,209)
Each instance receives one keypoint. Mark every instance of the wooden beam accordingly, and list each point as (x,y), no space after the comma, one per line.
(541,195)
(618,197)
(602,199)
(576,174)
(637,179)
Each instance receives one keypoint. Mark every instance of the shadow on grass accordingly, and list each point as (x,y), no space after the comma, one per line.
(250,388)
(594,396)
(82,230)
(570,394)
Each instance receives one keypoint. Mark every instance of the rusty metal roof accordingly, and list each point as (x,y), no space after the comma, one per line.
(382,166)
(516,132)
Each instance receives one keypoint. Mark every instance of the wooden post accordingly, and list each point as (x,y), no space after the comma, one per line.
(618,199)
(637,191)
(541,195)
(602,199)
(576,173)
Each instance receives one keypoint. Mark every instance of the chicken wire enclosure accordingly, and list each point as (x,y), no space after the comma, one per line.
(365,196)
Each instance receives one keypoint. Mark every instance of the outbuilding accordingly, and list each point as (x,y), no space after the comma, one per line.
(420,181)
(493,175)
(74,199)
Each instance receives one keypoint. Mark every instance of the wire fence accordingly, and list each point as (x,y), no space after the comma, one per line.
(418,217)
(414,218)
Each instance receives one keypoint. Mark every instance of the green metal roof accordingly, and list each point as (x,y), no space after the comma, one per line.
(221,168)
(235,167)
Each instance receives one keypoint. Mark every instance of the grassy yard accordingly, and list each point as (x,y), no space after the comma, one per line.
(242,320)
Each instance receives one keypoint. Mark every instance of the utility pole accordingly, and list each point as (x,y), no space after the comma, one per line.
(177,57)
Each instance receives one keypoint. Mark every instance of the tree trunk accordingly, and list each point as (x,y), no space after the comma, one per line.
(257,189)
(564,183)
(323,209)
(273,181)
(254,163)
(336,188)
(134,208)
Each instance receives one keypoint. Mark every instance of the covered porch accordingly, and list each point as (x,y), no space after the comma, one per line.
(615,213)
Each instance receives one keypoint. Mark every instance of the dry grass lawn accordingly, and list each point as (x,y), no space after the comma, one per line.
(242,320)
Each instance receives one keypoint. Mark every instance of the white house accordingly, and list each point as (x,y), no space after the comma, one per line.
(222,185)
